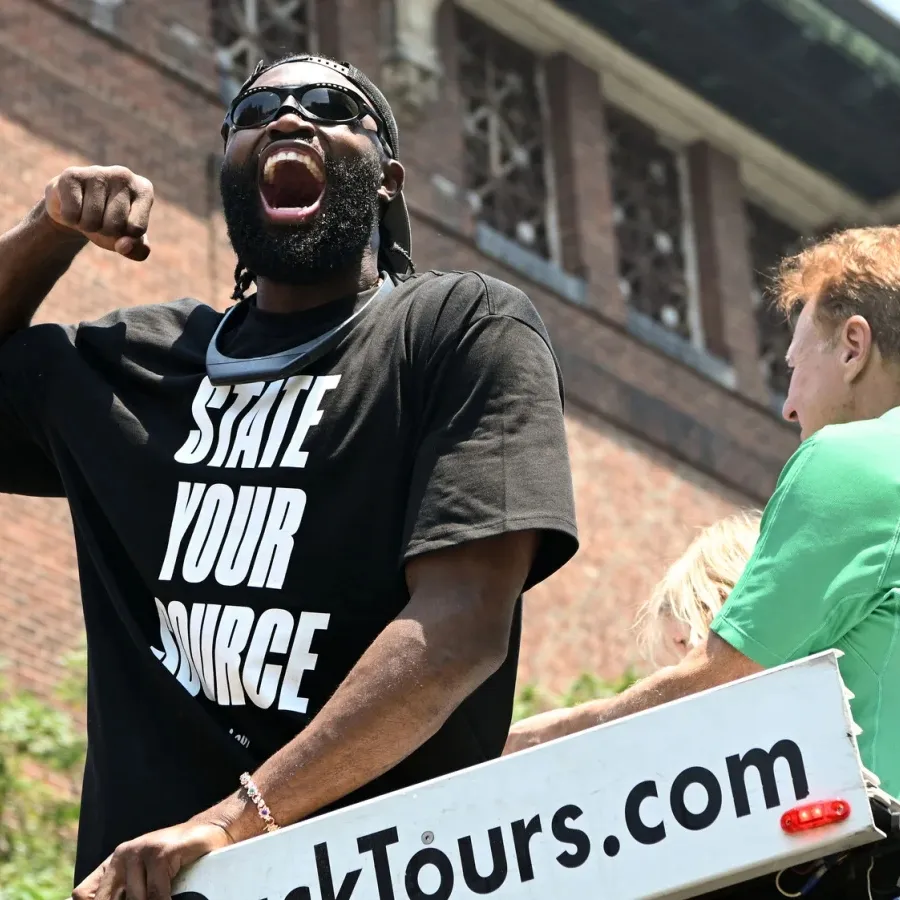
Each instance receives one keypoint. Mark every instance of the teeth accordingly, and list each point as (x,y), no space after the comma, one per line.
(291,156)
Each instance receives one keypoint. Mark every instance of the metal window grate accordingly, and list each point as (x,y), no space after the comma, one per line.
(508,168)
(770,240)
(246,31)
(651,224)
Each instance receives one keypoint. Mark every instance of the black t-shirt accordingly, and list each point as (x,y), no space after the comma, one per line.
(240,547)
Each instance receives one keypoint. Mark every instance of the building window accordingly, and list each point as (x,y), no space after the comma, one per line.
(246,31)
(507,164)
(770,241)
(650,213)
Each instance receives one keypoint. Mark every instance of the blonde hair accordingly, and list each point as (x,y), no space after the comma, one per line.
(852,272)
(697,584)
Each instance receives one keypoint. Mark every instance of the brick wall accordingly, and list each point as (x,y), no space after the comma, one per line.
(69,97)
(657,448)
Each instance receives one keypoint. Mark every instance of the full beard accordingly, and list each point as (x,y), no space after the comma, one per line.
(304,254)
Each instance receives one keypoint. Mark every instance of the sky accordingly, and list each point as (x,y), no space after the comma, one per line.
(889,6)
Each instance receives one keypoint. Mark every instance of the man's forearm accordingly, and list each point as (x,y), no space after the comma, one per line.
(694,674)
(397,696)
(34,255)
(713,663)
(654,690)
(559,723)
(651,691)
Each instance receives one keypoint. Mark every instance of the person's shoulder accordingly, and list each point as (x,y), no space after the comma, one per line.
(458,299)
(175,313)
(494,296)
(46,346)
(853,457)
(158,324)
(37,350)
(859,443)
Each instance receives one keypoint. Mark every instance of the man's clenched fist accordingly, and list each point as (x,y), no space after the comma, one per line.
(109,205)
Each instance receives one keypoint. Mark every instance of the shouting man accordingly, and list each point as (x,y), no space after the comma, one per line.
(303,528)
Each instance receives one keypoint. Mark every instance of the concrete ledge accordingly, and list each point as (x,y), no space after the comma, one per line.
(646,329)
(550,275)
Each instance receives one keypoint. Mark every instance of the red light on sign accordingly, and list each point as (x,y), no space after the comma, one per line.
(814,815)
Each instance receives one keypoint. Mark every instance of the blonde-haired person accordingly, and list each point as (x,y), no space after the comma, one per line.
(686,599)
(676,617)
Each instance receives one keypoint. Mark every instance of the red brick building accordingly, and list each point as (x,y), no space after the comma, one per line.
(634,166)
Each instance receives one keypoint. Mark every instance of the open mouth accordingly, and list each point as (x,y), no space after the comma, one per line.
(292,183)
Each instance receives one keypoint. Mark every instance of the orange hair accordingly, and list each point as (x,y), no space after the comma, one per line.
(853,272)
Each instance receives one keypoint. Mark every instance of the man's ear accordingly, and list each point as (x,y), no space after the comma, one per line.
(393,179)
(856,345)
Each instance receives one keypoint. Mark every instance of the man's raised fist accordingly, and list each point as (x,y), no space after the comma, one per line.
(109,205)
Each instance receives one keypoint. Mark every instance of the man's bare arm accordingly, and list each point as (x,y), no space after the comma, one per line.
(34,255)
(452,636)
(712,663)
(107,206)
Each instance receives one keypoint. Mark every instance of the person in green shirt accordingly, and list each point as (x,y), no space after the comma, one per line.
(825,572)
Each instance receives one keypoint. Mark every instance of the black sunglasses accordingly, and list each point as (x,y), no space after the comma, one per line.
(327,103)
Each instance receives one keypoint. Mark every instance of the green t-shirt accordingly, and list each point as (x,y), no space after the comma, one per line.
(825,575)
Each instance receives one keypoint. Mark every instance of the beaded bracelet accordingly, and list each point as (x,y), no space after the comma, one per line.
(255,796)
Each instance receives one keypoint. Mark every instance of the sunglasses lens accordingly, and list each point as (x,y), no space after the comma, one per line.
(330,105)
(255,109)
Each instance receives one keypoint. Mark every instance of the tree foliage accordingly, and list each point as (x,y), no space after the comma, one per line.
(41,761)
(532,699)
(42,758)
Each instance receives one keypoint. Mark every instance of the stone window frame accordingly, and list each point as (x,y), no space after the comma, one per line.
(497,240)
(761,298)
(693,342)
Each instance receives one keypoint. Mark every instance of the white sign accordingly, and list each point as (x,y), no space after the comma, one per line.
(671,802)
